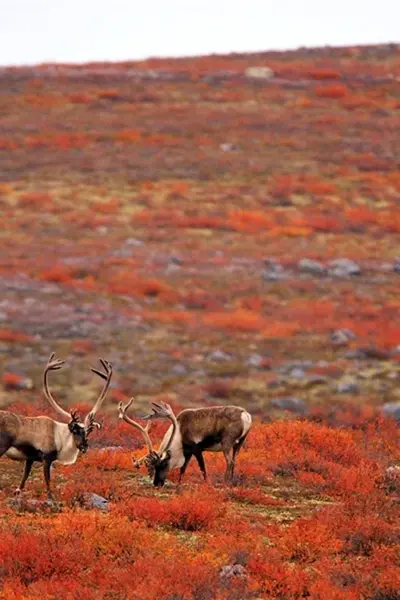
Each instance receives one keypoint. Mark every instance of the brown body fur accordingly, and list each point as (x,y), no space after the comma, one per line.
(194,431)
(23,432)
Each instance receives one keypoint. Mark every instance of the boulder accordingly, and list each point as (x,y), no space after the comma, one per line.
(343,267)
(263,73)
(290,403)
(307,265)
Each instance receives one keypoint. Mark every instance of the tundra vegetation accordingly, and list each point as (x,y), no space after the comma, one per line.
(222,239)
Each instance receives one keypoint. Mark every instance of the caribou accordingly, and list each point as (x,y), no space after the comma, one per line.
(42,439)
(192,432)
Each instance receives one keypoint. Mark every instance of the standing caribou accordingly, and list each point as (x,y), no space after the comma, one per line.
(193,431)
(41,439)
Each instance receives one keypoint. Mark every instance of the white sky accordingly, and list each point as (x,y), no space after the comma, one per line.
(34,31)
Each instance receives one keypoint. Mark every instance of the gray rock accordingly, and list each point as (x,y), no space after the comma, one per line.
(227,147)
(392,409)
(347,387)
(230,571)
(274,271)
(343,267)
(396,266)
(178,370)
(260,73)
(175,260)
(290,403)
(296,364)
(269,275)
(255,360)
(307,265)
(297,373)
(219,355)
(96,501)
(133,242)
(341,337)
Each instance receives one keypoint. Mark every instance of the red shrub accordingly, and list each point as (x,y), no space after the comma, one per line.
(332,91)
(58,274)
(7,335)
(323,74)
(36,200)
(188,512)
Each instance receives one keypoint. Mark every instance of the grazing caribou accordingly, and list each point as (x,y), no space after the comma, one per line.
(192,432)
(41,439)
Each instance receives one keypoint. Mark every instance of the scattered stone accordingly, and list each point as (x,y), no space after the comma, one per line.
(394,470)
(22,504)
(347,387)
(296,364)
(263,73)
(341,337)
(297,373)
(307,265)
(290,403)
(392,478)
(343,267)
(230,571)
(255,360)
(219,355)
(178,370)
(95,501)
(227,147)
(133,242)
(274,271)
(175,260)
(392,409)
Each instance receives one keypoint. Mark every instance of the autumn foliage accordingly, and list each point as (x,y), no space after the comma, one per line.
(184,220)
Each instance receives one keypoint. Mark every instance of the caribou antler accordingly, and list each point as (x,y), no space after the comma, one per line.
(90,423)
(161,410)
(122,410)
(53,364)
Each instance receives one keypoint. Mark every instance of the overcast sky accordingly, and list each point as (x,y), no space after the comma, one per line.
(35,31)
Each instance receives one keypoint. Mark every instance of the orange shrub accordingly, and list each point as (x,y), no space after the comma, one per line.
(12,381)
(36,200)
(187,512)
(323,74)
(58,274)
(7,335)
(128,136)
(106,208)
(131,285)
(332,91)
(238,320)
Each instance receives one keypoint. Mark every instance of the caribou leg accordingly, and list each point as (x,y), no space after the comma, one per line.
(46,472)
(27,470)
(201,463)
(183,468)
(229,464)
(236,449)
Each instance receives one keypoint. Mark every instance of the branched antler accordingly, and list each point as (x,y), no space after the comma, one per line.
(90,423)
(122,410)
